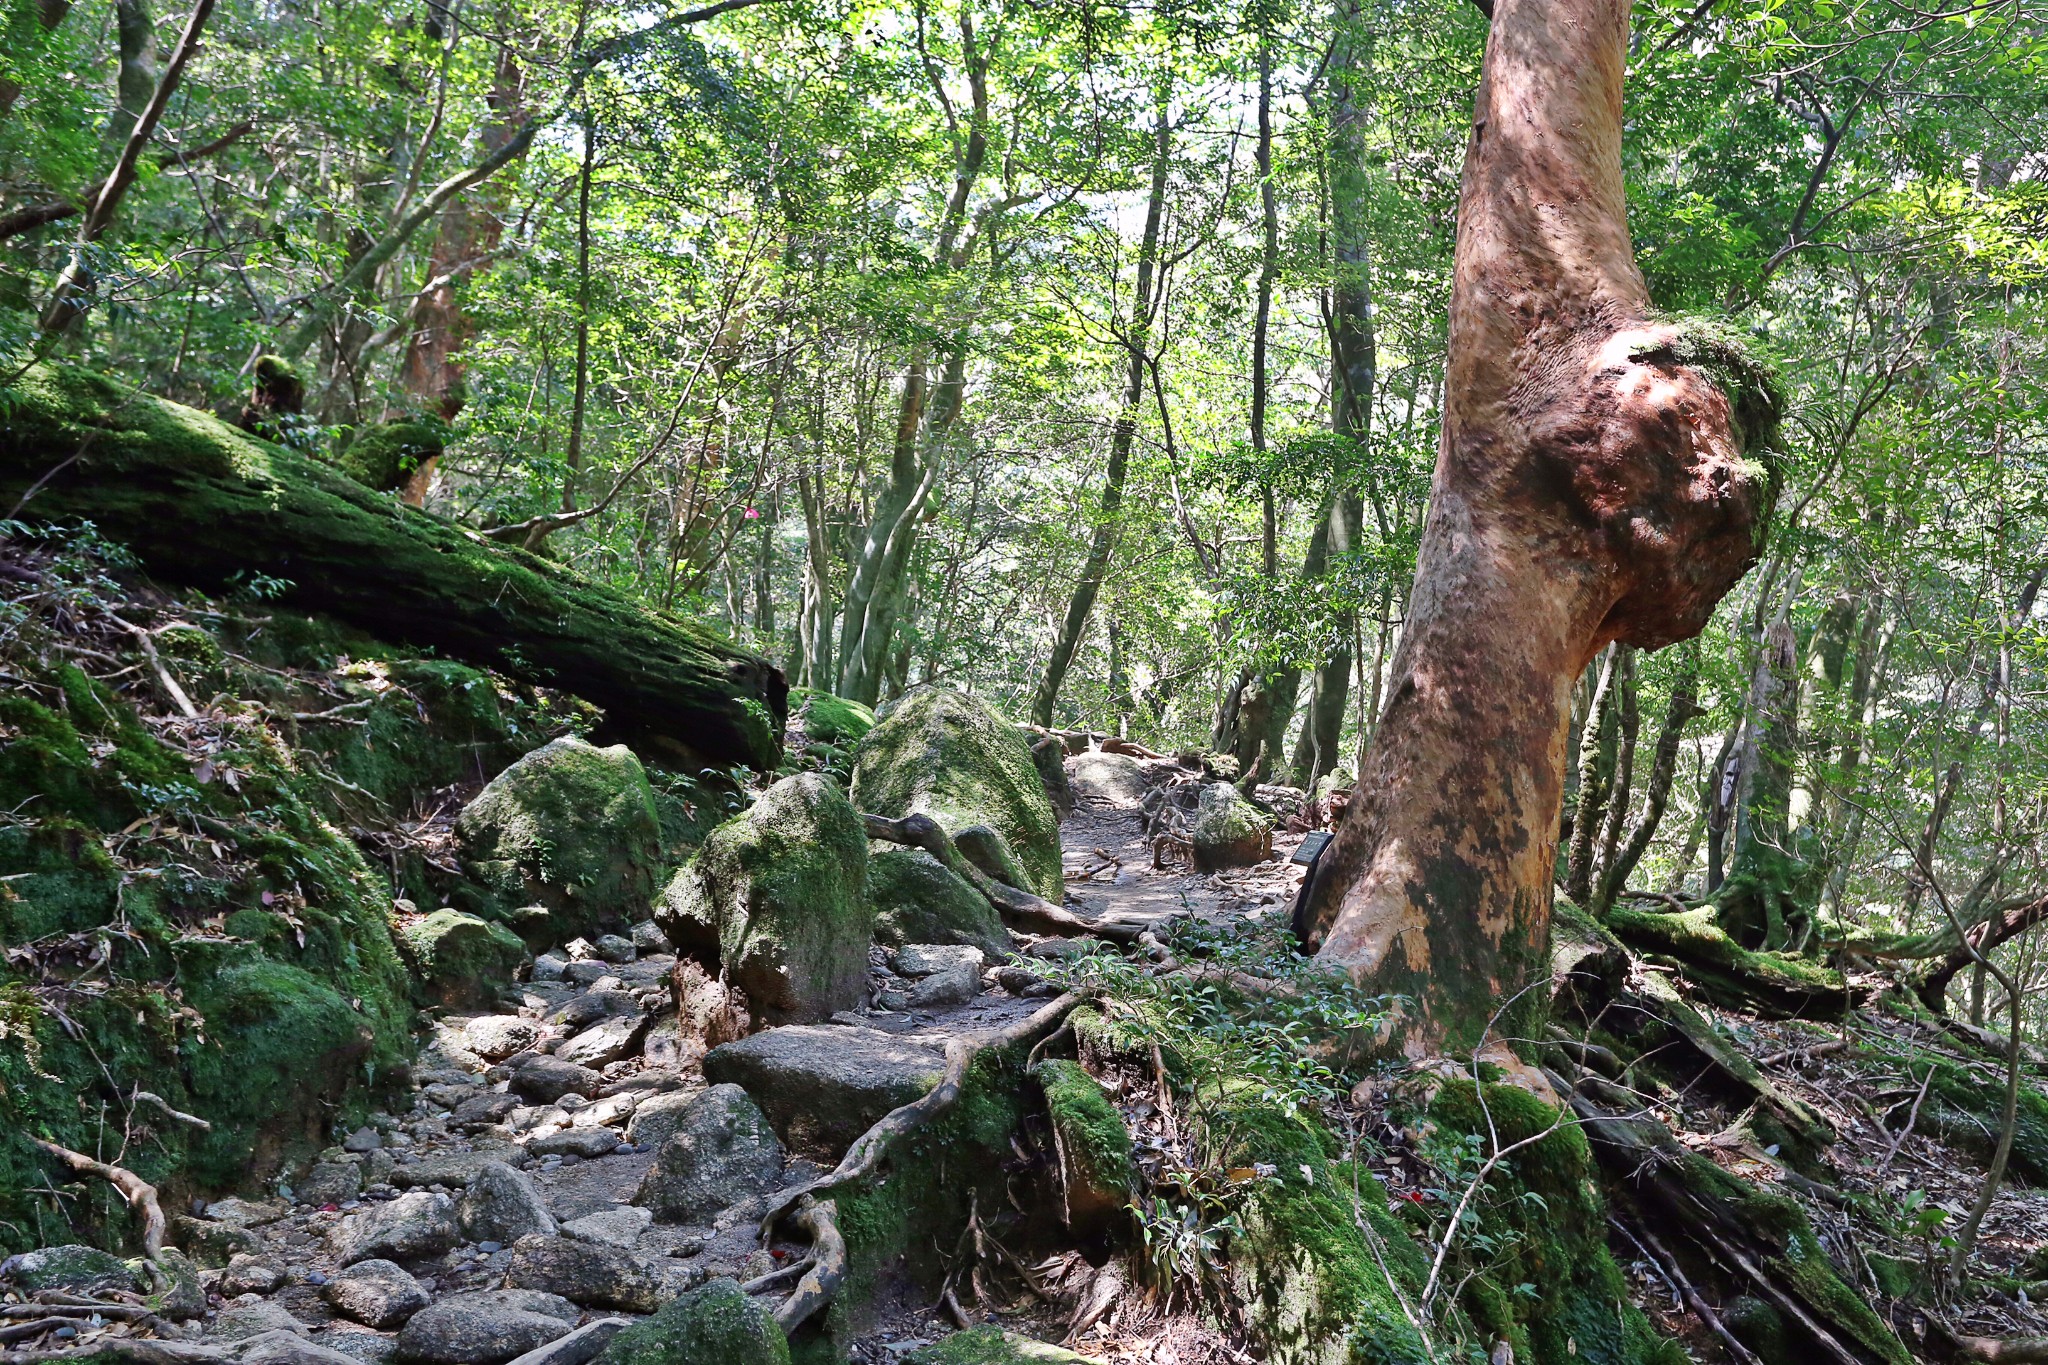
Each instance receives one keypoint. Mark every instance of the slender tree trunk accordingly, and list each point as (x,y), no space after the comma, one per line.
(1354,372)
(573,457)
(135,81)
(1596,773)
(1590,487)
(1657,793)
(1137,326)
(471,225)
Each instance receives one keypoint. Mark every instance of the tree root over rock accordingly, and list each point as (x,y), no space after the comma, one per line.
(816,1215)
(1019,909)
(140,1194)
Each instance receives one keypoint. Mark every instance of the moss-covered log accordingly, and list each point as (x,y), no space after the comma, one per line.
(202,503)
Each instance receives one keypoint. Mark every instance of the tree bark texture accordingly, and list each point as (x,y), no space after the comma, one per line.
(1591,486)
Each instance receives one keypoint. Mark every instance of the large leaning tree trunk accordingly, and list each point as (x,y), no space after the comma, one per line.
(1595,481)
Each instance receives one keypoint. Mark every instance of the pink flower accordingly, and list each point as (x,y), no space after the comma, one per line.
(753,514)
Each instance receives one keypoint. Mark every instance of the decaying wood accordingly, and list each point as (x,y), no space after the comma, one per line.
(140,1194)
(867,1151)
(77,447)
(1020,909)
(819,1219)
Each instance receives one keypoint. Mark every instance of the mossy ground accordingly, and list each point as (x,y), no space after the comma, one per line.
(184,909)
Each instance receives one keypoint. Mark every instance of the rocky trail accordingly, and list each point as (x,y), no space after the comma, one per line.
(600,1142)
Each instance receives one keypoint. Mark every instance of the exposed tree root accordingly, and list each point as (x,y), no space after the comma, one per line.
(867,1151)
(140,1194)
(820,1219)
(1019,909)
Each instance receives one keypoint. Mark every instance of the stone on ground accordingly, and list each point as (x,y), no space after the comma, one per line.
(494,1037)
(918,899)
(620,1227)
(376,1293)
(579,1347)
(408,1228)
(593,1274)
(247,1274)
(240,1321)
(502,1205)
(714,1325)
(991,1345)
(823,1086)
(779,895)
(488,1327)
(606,1041)
(541,1079)
(460,959)
(571,827)
(947,755)
(330,1182)
(1114,779)
(1229,831)
(73,1269)
(579,1142)
(286,1347)
(453,1169)
(721,1151)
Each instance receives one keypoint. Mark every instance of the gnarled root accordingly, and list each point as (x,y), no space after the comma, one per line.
(819,1219)
(867,1151)
(140,1194)
(1019,909)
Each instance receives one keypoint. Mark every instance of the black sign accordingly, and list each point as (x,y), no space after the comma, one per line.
(1312,845)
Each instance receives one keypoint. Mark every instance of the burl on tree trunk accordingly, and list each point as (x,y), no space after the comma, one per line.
(1600,477)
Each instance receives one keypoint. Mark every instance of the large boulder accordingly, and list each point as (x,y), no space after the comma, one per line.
(488,1327)
(1111,779)
(945,754)
(822,1087)
(721,1151)
(714,1325)
(408,1228)
(73,1269)
(1229,831)
(571,827)
(502,1205)
(918,899)
(376,1293)
(779,895)
(460,959)
(593,1274)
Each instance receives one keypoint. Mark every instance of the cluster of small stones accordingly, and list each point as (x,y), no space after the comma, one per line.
(563,1166)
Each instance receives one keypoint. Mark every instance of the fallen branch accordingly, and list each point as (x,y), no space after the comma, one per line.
(820,1219)
(141,1195)
(1667,1265)
(870,1147)
(2004,1350)
(1019,909)
(158,1102)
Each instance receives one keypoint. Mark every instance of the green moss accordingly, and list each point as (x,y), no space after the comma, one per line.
(1728,972)
(1966,1106)
(386,456)
(569,826)
(714,1325)
(946,754)
(991,1345)
(461,959)
(1305,1265)
(329,544)
(1094,1145)
(1742,367)
(417,726)
(919,900)
(778,895)
(1544,1280)
(827,719)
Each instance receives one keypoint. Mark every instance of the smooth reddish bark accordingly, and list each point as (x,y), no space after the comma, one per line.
(1589,487)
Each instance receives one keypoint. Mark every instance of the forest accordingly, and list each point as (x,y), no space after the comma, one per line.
(958,682)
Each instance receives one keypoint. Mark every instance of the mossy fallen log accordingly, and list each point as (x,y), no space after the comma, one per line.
(203,504)
(1774,985)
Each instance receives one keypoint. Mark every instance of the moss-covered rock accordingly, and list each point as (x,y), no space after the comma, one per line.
(917,899)
(827,719)
(777,896)
(572,827)
(714,1325)
(386,456)
(1093,1146)
(1229,831)
(74,1269)
(460,959)
(991,1345)
(947,755)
